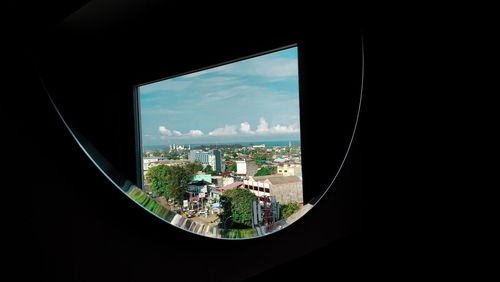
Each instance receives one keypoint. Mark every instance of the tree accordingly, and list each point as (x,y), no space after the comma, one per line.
(237,205)
(268,170)
(194,167)
(260,159)
(208,168)
(158,177)
(288,209)
(174,156)
(178,181)
(231,167)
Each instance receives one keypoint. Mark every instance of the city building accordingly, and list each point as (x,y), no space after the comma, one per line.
(215,160)
(218,191)
(172,162)
(246,167)
(222,180)
(290,170)
(202,177)
(149,162)
(280,160)
(212,158)
(151,159)
(286,189)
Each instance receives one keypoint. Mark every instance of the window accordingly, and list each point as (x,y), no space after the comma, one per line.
(232,112)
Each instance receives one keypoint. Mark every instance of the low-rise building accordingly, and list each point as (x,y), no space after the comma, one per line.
(289,170)
(286,189)
(218,191)
(246,167)
(146,160)
(222,180)
(173,162)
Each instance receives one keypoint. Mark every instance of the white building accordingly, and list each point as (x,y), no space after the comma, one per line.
(290,170)
(241,167)
(151,159)
(286,189)
(246,167)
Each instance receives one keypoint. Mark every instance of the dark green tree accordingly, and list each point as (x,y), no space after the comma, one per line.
(157,175)
(260,159)
(194,167)
(288,209)
(268,170)
(174,156)
(231,167)
(237,205)
(178,181)
(208,168)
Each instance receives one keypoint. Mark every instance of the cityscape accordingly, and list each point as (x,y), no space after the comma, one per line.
(210,160)
(215,187)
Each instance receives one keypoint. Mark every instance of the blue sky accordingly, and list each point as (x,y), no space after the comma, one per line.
(251,100)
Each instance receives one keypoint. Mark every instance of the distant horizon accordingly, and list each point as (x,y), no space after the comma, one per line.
(259,142)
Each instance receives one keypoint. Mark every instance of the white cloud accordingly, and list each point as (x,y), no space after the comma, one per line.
(264,129)
(194,132)
(245,128)
(164,131)
(177,133)
(280,129)
(224,131)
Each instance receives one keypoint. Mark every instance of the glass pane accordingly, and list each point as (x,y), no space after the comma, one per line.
(220,148)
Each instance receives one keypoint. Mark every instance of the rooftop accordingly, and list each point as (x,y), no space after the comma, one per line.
(232,185)
(277,179)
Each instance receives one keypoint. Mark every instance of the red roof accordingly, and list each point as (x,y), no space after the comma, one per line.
(232,185)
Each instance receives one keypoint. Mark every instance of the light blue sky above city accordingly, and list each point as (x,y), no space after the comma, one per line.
(256,99)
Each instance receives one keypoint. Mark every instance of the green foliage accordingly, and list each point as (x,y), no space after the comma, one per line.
(231,167)
(261,159)
(178,181)
(173,155)
(172,181)
(156,154)
(268,170)
(237,205)
(194,167)
(209,170)
(288,209)
(158,177)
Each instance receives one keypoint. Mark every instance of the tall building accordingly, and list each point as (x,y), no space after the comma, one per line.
(212,158)
(217,160)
